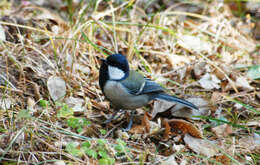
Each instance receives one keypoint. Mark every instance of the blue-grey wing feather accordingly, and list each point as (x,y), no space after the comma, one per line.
(151,87)
(136,84)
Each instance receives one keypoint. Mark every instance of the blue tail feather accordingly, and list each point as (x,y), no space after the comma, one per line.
(163,96)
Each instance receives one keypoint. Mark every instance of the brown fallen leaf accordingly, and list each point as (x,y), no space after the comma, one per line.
(167,131)
(144,127)
(137,129)
(145,121)
(184,127)
(223,159)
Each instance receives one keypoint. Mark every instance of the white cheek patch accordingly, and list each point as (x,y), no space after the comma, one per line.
(115,73)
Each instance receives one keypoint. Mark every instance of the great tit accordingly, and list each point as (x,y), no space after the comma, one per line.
(127,89)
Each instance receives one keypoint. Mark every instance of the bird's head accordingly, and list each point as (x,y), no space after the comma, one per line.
(117,66)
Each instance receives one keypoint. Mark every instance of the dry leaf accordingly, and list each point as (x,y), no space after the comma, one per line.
(2,33)
(223,159)
(169,161)
(182,111)
(182,72)
(147,126)
(59,162)
(145,121)
(56,87)
(216,97)
(242,82)
(201,146)
(194,43)
(199,69)
(250,143)
(47,14)
(5,103)
(161,106)
(137,129)
(222,130)
(122,134)
(209,81)
(185,127)
(179,110)
(167,130)
(178,147)
(30,105)
(177,59)
(76,104)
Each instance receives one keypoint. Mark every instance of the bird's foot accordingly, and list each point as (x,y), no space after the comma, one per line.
(113,117)
(130,124)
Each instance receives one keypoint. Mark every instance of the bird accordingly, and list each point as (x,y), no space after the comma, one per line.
(128,89)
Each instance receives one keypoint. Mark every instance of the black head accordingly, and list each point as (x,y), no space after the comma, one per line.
(115,67)
(119,61)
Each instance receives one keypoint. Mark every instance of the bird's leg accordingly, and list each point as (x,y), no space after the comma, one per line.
(113,117)
(130,124)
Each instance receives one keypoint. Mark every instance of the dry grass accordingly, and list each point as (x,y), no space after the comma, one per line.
(41,44)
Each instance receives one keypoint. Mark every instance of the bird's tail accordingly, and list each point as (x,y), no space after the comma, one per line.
(163,96)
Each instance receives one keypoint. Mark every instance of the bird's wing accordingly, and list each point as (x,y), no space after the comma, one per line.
(151,86)
(136,84)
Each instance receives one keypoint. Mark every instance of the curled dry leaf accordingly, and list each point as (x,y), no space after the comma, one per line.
(201,146)
(184,127)
(56,87)
(209,81)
